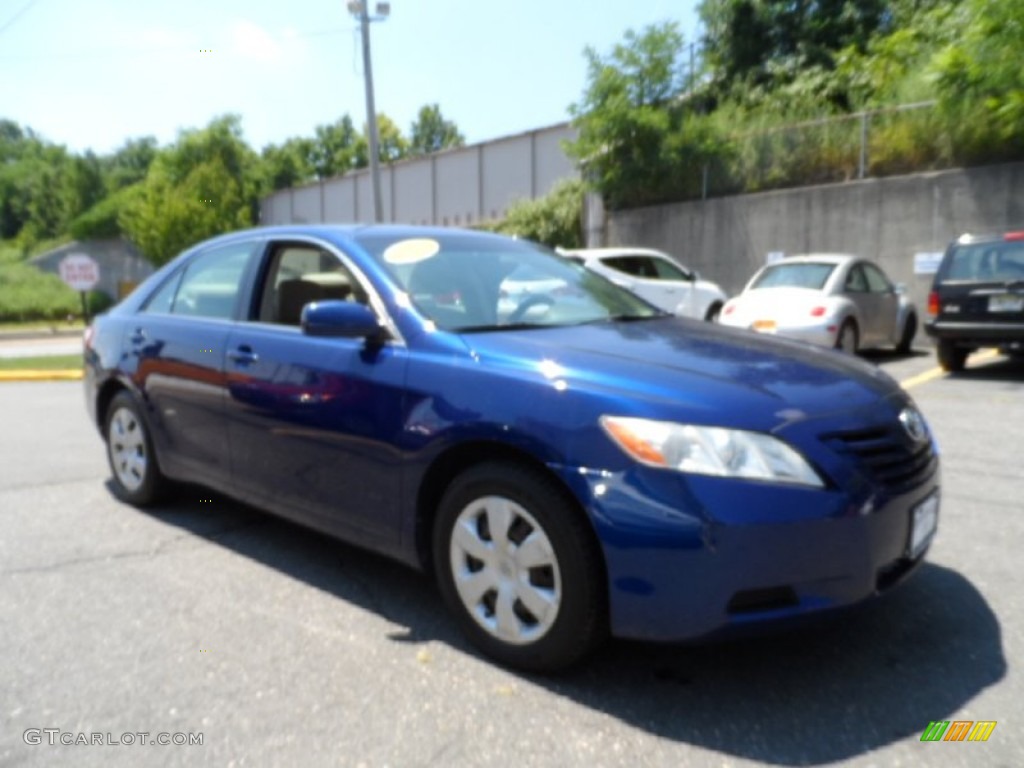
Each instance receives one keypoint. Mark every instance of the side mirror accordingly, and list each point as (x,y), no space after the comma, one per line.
(900,289)
(342,319)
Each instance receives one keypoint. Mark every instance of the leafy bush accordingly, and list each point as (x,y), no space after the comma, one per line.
(554,220)
(28,294)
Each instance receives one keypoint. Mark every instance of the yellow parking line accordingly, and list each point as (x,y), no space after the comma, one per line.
(30,375)
(935,373)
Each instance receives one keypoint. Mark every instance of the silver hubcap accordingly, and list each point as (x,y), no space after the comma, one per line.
(505,570)
(127,445)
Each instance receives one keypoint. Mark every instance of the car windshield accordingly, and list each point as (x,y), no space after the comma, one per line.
(984,262)
(466,282)
(812,275)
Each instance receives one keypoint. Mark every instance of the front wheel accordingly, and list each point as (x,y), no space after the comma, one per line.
(517,565)
(137,478)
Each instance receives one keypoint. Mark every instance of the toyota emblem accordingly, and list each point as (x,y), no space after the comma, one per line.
(913,423)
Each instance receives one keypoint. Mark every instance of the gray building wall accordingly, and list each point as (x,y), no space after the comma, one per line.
(457,187)
(888,220)
(118,261)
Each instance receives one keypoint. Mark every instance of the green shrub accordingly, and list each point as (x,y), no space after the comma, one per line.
(28,294)
(554,220)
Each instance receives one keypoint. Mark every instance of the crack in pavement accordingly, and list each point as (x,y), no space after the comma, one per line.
(159,549)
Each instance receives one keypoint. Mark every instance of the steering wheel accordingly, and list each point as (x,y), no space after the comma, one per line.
(534,300)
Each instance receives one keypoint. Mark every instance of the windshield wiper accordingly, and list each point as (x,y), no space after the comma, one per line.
(501,327)
(630,318)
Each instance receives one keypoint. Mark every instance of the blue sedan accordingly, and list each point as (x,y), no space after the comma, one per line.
(568,464)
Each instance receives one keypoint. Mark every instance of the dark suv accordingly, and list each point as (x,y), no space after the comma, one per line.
(977,299)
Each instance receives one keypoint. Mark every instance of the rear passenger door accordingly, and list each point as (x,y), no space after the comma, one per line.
(177,341)
(314,422)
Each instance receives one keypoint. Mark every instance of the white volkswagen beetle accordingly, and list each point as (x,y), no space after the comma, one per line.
(834,300)
(656,277)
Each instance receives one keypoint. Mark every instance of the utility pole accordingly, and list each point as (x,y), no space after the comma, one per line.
(360,11)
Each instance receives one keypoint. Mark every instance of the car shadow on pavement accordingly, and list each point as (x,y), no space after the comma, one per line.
(838,688)
(1010,369)
(878,356)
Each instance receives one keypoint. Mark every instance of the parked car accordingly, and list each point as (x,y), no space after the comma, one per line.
(977,298)
(656,277)
(833,300)
(600,466)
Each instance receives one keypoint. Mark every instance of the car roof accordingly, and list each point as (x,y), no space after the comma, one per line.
(821,258)
(347,232)
(990,237)
(601,253)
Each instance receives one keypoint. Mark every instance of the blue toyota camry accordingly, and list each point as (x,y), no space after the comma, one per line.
(567,461)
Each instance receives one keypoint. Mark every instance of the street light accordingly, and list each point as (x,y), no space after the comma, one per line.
(359,10)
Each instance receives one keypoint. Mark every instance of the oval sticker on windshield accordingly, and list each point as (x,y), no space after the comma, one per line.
(411,251)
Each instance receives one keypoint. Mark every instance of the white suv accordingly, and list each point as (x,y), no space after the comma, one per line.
(656,277)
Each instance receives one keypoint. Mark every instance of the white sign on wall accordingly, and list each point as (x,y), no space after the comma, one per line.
(773,256)
(927,263)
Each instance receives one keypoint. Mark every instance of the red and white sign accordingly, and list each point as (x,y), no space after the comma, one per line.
(80,271)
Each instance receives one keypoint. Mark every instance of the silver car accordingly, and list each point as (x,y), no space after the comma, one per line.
(833,300)
(656,277)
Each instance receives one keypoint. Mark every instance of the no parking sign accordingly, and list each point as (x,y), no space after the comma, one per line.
(81,272)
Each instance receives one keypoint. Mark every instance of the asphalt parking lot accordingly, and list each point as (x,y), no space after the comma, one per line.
(282,647)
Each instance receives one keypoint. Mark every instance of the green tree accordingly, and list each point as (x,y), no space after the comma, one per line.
(432,133)
(980,71)
(391,144)
(129,163)
(288,164)
(756,46)
(206,183)
(629,111)
(334,148)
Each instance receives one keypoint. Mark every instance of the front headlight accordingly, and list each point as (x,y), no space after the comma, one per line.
(710,450)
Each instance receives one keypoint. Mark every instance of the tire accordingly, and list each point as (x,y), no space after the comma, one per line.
(539,609)
(137,477)
(713,313)
(848,338)
(907,338)
(951,357)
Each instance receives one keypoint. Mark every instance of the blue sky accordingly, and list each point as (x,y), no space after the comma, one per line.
(92,74)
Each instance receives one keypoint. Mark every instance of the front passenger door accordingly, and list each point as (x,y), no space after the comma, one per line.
(314,423)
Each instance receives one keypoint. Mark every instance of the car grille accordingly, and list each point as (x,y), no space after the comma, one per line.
(887,456)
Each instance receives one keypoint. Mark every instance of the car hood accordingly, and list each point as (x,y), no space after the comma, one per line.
(689,369)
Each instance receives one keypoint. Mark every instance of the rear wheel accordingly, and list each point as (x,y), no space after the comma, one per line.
(907,338)
(517,564)
(848,339)
(951,357)
(137,478)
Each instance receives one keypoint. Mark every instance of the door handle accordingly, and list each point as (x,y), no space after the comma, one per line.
(138,337)
(243,355)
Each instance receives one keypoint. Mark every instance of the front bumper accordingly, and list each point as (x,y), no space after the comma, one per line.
(691,556)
